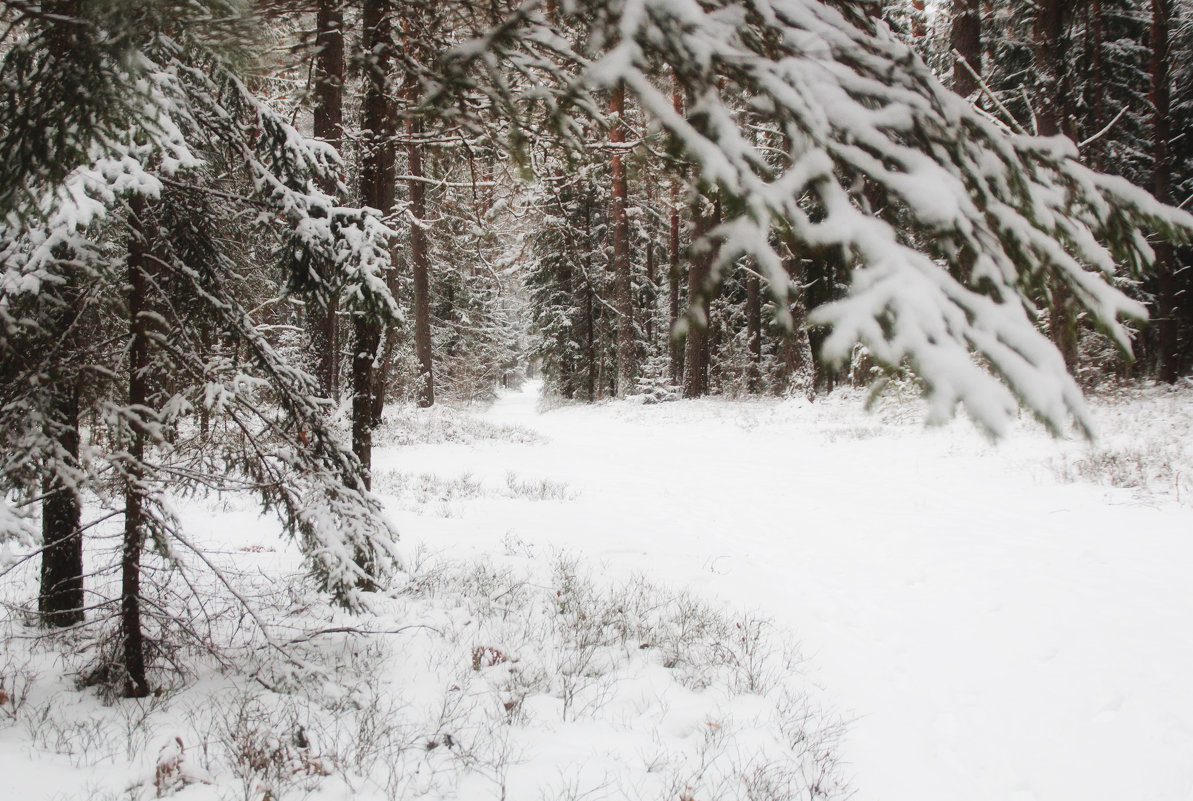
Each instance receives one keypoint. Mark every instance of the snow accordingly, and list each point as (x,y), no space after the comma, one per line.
(1002,621)
(991,632)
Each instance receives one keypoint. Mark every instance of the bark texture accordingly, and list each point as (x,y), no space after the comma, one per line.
(60,601)
(377,177)
(329,127)
(967,45)
(136,685)
(1167,334)
(623,295)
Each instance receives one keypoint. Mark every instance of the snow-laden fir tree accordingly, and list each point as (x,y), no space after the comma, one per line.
(148,215)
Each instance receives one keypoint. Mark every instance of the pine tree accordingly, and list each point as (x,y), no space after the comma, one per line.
(139,215)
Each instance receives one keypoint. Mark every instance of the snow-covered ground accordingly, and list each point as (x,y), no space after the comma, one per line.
(991,630)
(1009,621)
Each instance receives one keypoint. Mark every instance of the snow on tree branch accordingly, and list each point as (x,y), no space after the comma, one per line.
(956,229)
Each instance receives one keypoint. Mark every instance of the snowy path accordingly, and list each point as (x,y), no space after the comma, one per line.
(992,634)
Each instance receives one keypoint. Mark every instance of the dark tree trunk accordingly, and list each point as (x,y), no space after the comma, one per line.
(60,602)
(420,262)
(696,347)
(673,267)
(797,362)
(567,364)
(593,359)
(754,331)
(1050,45)
(1054,118)
(136,684)
(1095,154)
(367,340)
(716,331)
(648,312)
(329,127)
(673,278)
(377,177)
(623,296)
(1167,336)
(967,42)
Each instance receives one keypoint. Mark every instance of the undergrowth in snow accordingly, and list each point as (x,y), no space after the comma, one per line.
(471,680)
(1145,443)
(408,425)
(430,493)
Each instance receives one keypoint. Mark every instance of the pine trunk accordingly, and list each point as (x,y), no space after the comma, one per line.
(648,301)
(377,177)
(1168,342)
(567,364)
(798,365)
(696,346)
(60,602)
(1095,155)
(754,332)
(1053,118)
(967,44)
(1050,46)
(673,269)
(623,296)
(367,339)
(590,383)
(420,262)
(329,127)
(136,684)
(673,278)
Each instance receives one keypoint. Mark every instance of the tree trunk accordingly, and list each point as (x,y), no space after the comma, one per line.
(1050,44)
(1095,114)
(798,367)
(590,384)
(696,346)
(60,602)
(1053,118)
(967,42)
(136,684)
(419,252)
(623,297)
(673,277)
(1095,155)
(1168,342)
(753,331)
(367,339)
(568,374)
(673,269)
(377,177)
(420,263)
(329,127)
(648,302)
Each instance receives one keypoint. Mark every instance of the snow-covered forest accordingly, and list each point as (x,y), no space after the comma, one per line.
(526,400)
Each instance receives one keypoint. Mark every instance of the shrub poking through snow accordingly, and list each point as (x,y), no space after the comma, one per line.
(473,681)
